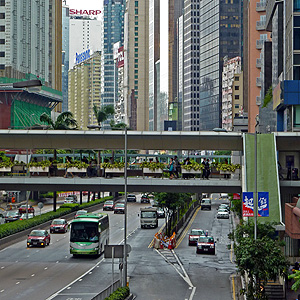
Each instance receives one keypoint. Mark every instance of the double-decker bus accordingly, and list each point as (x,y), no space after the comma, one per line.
(89,234)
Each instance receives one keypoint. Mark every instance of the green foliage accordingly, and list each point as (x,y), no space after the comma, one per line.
(296,277)
(118,126)
(227,167)
(17,226)
(236,206)
(120,294)
(76,164)
(6,164)
(43,164)
(115,165)
(261,259)
(20,225)
(268,98)
(152,165)
(103,113)
(193,166)
(64,121)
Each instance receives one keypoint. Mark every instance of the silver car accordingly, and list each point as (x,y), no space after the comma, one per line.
(223,213)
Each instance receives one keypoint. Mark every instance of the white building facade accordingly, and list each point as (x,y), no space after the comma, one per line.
(85,34)
(231,67)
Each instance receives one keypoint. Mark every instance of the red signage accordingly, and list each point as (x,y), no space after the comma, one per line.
(120,62)
(236,196)
(84,12)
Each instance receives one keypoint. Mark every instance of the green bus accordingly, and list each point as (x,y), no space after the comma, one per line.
(89,234)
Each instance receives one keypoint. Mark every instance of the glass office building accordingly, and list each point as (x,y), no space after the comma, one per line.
(212,31)
(113,32)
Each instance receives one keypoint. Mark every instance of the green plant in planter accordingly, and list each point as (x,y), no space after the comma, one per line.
(193,166)
(228,167)
(115,165)
(43,164)
(152,165)
(76,164)
(19,163)
(6,164)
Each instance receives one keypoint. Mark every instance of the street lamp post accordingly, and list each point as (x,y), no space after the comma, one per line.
(125,215)
(255,176)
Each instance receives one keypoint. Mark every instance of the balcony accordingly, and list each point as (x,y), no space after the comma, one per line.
(258,98)
(258,63)
(260,43)
(261,25)
(261,6)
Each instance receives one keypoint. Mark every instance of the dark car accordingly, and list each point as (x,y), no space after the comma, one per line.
(131,198)
(194,236)
(206,244)
(119,208)
(206,204)
(59,225)
(11,216)
(38,238)
(23,209)
(108,205)
(145,199)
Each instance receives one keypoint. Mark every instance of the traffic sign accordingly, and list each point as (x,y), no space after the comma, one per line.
(118,251)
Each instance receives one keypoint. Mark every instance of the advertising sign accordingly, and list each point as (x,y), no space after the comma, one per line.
(262,204)
(89,12)
(236,196)
(120,57)
(80,57)
(248,204)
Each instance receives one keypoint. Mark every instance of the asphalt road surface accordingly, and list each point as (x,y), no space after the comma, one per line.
(52,273)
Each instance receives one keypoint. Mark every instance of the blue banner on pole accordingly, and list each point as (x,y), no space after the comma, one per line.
(263,204)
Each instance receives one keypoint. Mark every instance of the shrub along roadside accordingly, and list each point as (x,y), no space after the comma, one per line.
(119,294)
(17,226)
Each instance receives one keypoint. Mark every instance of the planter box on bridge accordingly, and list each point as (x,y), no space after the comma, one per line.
(5,169)
(155,173)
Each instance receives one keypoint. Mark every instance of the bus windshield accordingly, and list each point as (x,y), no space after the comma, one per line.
(84,232)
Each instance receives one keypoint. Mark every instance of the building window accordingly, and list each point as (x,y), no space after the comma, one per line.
(296,38)
(2,67)
(2,41)
(2,28)
(2,2)
(2,54)
(236,88)
(236,78)
(236,106)
(296,5)
(296,116)
(2,16)
(236,97)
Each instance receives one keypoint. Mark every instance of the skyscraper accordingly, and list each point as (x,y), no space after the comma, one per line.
(212,30)
(65,55)
(112,32)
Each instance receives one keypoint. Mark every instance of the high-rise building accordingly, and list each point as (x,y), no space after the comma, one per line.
(255,35)
(212,30)
(30,48)
(231,67)
(136,68)
(65,55)
(112,32)
(85,34)
(31,40)
(84,90)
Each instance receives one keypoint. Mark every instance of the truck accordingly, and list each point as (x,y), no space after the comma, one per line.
(149,217)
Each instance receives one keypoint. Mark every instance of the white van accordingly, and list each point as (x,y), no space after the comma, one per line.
(223,197)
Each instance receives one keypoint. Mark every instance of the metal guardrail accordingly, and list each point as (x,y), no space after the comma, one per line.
(108,291)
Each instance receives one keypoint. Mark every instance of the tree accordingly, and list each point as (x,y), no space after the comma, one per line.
(261,259)
(170,202)
(103,113)
(117,126)
(64,121)
(296,277)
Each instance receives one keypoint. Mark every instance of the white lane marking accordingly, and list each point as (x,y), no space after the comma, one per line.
(57,262)
(32,275)
(2,267)
(45,268)
(1,291)
(185,277)
(18,282)
(58,292)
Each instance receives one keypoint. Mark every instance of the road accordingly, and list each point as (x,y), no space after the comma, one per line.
(52,273)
